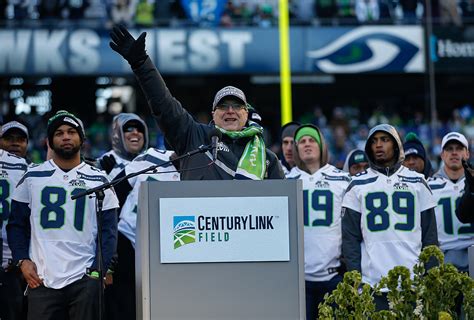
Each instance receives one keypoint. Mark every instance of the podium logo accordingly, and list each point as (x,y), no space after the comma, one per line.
(184,230)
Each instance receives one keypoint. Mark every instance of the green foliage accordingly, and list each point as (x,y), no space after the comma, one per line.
(420,295)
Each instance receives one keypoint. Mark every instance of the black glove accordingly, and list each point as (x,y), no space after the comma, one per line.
(132,50)
(468,173)
(107,163)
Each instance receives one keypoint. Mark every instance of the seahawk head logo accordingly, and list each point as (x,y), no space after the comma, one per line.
(371,48)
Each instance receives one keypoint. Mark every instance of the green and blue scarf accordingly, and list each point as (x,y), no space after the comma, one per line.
(252,163)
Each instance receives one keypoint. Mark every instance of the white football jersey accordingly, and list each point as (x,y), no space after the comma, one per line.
(12,169)
(452,233)
(322,200)
(390,223)
(128,215)
(63,231)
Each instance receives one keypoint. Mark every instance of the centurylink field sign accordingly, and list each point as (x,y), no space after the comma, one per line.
(224,229)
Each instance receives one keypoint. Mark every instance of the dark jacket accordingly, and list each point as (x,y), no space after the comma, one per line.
(465,209)
(184,134)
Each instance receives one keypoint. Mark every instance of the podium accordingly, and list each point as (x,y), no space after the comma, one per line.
(220,250)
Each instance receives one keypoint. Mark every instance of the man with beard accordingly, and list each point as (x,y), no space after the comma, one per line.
(448,185)
(388,212)
(53,238)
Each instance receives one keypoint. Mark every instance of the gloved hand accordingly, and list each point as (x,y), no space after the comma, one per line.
(132,50)
(469,174)
(107,163)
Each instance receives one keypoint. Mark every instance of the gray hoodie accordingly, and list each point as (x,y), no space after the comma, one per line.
(118,138)
(399,153)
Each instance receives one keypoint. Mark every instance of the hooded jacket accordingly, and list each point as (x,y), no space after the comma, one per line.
(184,134)
(118,138)
(119,150)
(399,154)
(390,181)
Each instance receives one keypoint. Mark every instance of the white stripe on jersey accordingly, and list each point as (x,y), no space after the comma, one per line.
(322,192)
(12,169)
(63,232)
(452,233)
(128,215)
(390,209)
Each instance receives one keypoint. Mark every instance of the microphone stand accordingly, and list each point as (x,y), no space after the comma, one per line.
(99,192)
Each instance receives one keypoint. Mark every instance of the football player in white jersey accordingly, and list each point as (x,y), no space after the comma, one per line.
(53,238)
(12,169)
(388,212)
(323,189)
(127,193)
(448,185)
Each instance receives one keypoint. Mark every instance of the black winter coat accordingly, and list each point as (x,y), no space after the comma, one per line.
(184,134)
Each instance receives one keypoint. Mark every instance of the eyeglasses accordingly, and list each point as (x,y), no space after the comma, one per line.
(227,106)
(133,127)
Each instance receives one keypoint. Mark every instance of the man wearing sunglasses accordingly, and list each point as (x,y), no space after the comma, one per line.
(129,139)
(242,152)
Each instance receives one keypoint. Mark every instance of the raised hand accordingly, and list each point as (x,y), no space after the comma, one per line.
(130,49)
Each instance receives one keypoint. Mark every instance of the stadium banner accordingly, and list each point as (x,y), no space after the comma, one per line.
(314,50)
(224,229)
(452,49)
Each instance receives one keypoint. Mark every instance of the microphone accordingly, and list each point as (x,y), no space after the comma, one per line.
(215,135)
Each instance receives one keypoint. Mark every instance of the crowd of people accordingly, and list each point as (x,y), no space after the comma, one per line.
(377,213)
(345,128)
(262,13)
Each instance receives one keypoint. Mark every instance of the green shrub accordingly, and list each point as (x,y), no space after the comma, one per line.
(422,295)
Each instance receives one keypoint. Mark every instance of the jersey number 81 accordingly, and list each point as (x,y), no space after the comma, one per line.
(53,200)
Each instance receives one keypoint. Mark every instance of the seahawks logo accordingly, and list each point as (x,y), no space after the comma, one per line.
(372,48)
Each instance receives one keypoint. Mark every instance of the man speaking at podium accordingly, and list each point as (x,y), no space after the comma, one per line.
(242,152)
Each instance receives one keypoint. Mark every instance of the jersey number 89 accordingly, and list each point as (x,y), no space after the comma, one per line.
(53,213)
(378,219)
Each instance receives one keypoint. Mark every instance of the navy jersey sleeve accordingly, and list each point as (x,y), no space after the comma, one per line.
(19,230)
(109,238)
(429,233)
(351,239)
